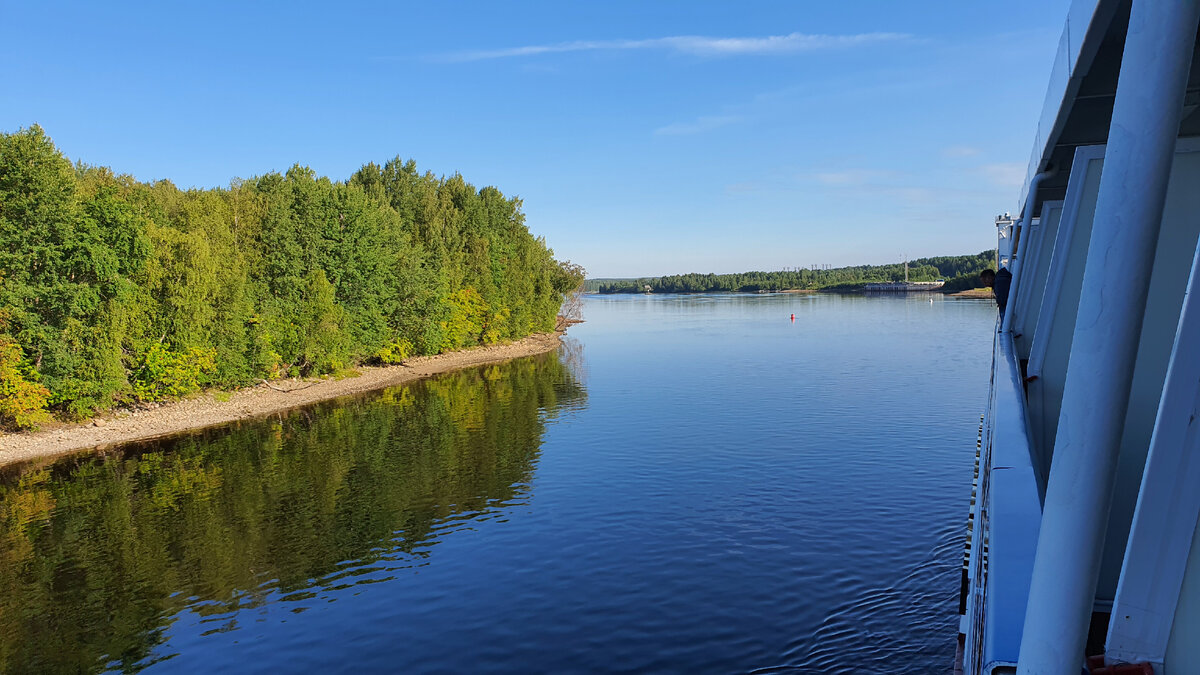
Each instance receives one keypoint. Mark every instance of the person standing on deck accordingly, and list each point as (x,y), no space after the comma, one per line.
(999,282)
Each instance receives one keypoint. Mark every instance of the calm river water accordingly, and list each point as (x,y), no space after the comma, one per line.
(692,484)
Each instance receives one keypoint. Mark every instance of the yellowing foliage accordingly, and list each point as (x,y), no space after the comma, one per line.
(467,320)
(396,351)
(168,374)
(22,403)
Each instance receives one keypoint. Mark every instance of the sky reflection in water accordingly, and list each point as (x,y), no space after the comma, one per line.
(695,483)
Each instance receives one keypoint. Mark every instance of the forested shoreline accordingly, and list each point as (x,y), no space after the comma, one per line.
(115,291)
(961,272)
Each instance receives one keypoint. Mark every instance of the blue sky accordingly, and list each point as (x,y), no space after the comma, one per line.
(645,137)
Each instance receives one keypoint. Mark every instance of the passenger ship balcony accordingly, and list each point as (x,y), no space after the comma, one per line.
(1083,529)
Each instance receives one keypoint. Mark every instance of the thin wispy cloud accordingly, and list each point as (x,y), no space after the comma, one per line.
(960,151)
(1005,175)
(903,188)
(700,125)
(853,177)
(893,185)
(773,103)
(692,44)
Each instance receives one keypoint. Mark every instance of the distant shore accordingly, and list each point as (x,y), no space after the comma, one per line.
(974,293)
(215,408)
(855,288)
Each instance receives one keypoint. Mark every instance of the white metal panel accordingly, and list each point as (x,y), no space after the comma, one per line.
(1036,271)
(1063,241)
(1051,349)
(1026,232)
(1172,265)
(1181,647)
(1012,514)
(1030,245)
(1119,273)
(1168,506)
(1004,244)
(1053,331)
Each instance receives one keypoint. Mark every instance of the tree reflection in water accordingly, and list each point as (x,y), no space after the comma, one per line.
(97,554)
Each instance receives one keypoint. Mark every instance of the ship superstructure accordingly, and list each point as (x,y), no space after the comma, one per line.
(1083,534)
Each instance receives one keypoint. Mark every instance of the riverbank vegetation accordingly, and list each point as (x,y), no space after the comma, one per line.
(117,291)
(961,272)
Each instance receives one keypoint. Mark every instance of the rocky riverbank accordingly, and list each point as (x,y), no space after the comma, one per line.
(214,408)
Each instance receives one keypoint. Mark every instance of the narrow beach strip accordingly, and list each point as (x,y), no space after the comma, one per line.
(206,410)
(974,293)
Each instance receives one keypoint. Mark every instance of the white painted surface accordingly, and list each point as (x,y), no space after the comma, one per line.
(1036,272)
(1004,243)
(1181,647)
(1024,234)
(1080,200)
(1051,349)
(1133,189)
(1167,509)
(1172,266)
(1009,518)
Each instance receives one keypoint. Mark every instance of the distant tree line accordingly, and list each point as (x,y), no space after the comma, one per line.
(114,290)
(960,272)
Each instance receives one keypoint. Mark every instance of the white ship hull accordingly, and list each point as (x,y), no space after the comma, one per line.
(1083,537)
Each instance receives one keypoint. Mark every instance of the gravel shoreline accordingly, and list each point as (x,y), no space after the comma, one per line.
(206,410)
(974,293)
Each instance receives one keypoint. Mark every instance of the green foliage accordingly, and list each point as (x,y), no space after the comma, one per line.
(168,374)
(324,345)
(118,289)
(955,269)
(396,351)
(970,278)
(467,320)
(22,403)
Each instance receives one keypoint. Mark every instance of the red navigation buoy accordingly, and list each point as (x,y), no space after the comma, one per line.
(793,318)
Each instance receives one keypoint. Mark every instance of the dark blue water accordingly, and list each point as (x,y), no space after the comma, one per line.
(694,484)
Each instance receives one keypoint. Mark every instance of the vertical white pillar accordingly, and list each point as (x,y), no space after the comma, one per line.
(1137,166)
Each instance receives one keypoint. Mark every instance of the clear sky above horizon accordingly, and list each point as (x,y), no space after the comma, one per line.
(645,138)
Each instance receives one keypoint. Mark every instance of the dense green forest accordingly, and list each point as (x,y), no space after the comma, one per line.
(960,272)
(115,291)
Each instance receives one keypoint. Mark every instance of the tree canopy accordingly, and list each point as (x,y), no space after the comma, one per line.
(115,290)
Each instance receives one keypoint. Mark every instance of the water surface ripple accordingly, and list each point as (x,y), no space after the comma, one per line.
(692,484)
